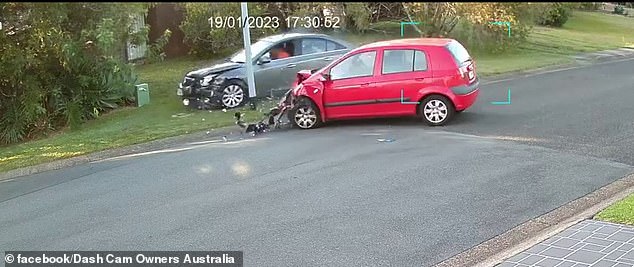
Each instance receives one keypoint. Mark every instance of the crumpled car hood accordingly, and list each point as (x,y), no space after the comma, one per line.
(217,68)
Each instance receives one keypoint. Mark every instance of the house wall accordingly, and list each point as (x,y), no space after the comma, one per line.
(168,16)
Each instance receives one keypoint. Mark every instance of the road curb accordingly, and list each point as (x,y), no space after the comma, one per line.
(121,151)
(534,231)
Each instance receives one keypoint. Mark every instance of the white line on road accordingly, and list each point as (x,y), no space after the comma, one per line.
(146,153)
(7,180)
(206,142)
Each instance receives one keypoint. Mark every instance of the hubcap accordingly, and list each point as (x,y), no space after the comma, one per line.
(305,117)
(435,111)
(232,96)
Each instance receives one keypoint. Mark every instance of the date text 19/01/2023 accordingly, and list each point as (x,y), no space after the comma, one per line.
(268,22)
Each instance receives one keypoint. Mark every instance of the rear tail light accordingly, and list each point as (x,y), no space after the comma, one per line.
(468,72)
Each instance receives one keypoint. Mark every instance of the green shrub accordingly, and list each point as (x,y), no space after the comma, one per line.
(590,6)
(357,17)
(61,64)
(619,10)
(485,26)
(556,14)
(155,51)
(207,38)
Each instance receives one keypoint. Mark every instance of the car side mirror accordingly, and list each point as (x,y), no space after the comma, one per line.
(264,59)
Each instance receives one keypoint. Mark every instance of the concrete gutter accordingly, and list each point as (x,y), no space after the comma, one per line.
(532,232)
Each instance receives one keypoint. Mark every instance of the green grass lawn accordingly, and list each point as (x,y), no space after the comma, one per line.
(620,212)
(583,32)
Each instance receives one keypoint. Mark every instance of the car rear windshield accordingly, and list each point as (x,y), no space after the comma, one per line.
(459,53)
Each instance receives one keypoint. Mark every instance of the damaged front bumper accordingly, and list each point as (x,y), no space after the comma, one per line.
(199,98)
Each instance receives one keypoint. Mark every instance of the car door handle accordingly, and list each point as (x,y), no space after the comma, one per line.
(419,79)
(365,85)
(290,66)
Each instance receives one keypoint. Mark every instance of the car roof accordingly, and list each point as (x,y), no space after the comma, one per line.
(286,36)
(410,42)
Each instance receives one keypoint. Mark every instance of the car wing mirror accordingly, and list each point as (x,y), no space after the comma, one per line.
(264,59)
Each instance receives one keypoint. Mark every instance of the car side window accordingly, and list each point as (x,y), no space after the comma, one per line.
(313,45)
(397,61)
(282,50)
(420,61)
(403,60)
(358,65)
(332,46)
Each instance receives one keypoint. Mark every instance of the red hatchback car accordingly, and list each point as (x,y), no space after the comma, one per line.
(432,78)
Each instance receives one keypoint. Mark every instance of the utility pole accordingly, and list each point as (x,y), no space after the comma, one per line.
(246,36)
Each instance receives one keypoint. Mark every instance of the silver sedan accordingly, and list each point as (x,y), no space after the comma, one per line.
(276,60)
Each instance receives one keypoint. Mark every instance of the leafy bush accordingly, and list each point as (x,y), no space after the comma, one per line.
(590,6)
(556,14)
(619,10)
(155,52)
(64,69)
(207,38)
(357,16)
(482,26)
(438,19)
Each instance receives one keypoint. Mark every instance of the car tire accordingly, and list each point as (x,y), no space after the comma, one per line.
(436,110)
(305,115)
(234,94)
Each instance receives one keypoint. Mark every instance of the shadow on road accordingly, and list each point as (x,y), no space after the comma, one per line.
(465,117)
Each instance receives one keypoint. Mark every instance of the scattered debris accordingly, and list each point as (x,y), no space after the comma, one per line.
(384,140)
(253,128)
(224,138)
(224,110)
(203,119)
(208,132)
(181,115)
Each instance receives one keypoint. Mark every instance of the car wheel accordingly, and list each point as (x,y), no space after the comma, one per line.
(233,95)
(305,115)
(436,110)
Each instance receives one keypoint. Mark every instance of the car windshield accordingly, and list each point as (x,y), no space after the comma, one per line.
(256,48)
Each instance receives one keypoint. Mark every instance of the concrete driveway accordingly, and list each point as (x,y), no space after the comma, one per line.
(335,196)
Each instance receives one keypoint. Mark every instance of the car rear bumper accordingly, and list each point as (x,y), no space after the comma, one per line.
(463,102)
(466,89)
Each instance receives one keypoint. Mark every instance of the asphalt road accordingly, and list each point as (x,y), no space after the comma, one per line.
(335,196)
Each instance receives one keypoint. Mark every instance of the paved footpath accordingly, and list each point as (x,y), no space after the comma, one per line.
(588,243)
